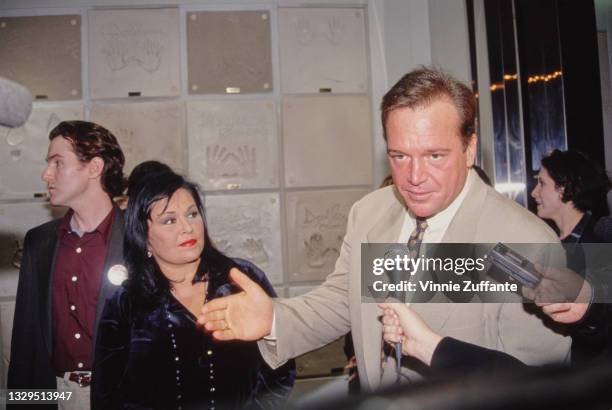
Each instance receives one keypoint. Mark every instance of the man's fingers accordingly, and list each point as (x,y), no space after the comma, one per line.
(215,325)
(215,304)
(243,281)
(224,335)
(214,315)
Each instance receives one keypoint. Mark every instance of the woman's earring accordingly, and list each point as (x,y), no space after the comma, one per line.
(149,254)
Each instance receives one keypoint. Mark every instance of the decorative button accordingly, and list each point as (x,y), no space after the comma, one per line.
(178,371)
(212,389)
(176,359)
(209,352)
(178,397)
(79,250)
(77,335)
(170,327)
(211,377)
(74,278)
(72,307)
(80,365)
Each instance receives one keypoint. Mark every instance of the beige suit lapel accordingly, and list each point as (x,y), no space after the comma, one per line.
(367,329)
(463,228)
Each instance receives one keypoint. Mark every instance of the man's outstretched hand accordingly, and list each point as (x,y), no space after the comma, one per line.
(243,316)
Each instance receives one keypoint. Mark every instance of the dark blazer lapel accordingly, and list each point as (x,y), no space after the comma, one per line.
(46,261)
(114,256)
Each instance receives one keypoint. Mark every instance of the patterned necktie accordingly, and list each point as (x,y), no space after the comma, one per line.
(416,237)
(414,245)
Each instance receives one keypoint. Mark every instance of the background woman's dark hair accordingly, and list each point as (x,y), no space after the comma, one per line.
(583,181)
(144,170)
(148,286)
(90,140)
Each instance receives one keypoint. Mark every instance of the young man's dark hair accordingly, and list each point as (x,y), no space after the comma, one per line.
(90,140)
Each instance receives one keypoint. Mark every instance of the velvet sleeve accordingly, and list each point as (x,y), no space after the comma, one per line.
(273,385)
(111,352)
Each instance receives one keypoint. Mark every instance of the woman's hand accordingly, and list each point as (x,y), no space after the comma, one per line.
(562,294)
(400,323)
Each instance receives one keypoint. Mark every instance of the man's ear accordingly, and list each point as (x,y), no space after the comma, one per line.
(95,167)
(470,151)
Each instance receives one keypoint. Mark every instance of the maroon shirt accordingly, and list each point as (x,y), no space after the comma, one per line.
(77,277)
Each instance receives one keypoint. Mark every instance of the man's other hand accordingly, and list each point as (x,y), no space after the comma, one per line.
(246,315)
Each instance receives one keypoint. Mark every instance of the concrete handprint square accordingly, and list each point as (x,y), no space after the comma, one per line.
(146,131)
(229,51)
(23,150)
(316,224)
(43,53)
(134,51)
(248,226)
(322,49)
(15,221)
(327,141)
(233,144)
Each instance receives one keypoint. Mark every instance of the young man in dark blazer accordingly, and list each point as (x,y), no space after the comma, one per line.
(64,275)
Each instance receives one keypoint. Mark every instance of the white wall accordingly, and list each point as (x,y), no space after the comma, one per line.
(408,33)
(399,41)
(448,27)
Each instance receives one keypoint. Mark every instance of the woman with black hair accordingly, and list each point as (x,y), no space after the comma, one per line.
(150,352)
(571,191)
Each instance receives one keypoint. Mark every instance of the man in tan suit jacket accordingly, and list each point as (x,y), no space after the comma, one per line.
(428,119)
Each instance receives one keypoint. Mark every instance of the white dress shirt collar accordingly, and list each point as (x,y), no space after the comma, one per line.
(437,224)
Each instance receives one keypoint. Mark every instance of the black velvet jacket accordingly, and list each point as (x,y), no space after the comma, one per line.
(158,358)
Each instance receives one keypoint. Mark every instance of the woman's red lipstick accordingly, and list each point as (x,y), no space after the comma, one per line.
(189,243)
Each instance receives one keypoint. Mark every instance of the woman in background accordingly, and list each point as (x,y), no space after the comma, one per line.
(571,191)
(150,352)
